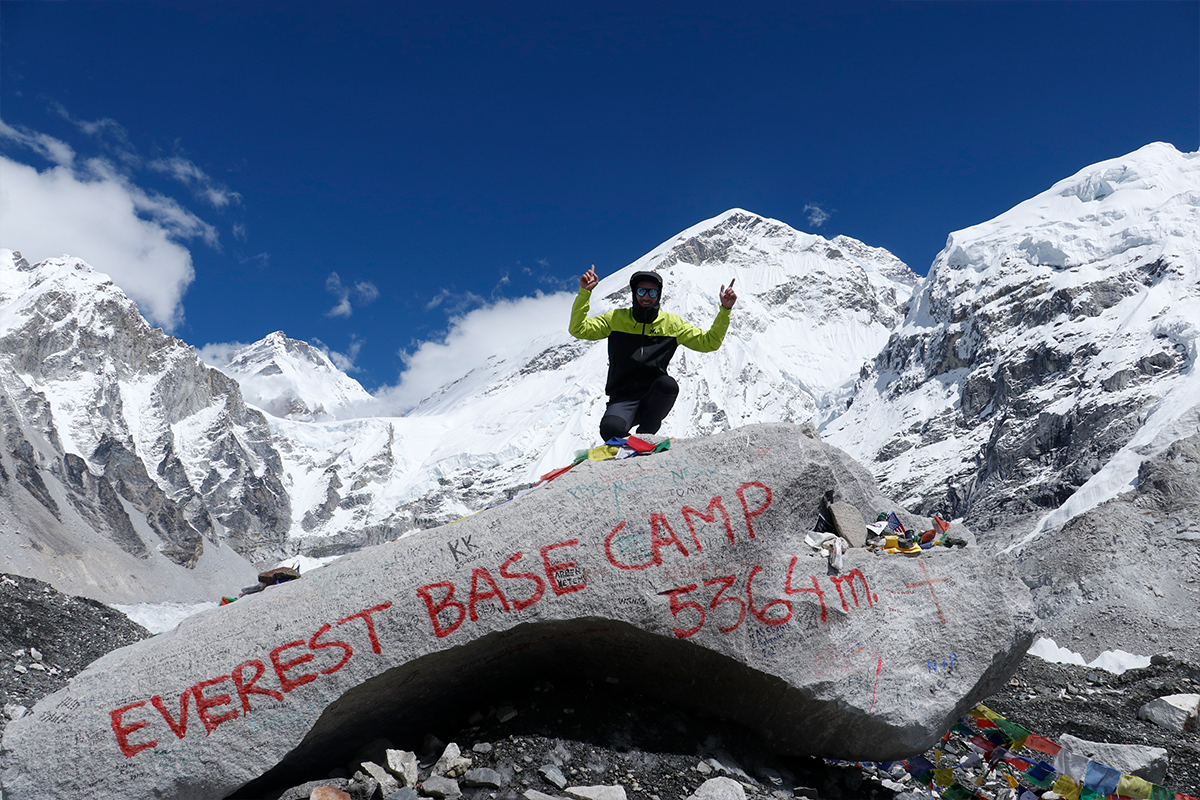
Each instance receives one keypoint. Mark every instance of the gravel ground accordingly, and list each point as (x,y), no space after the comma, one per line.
(1052,699)
(68,633)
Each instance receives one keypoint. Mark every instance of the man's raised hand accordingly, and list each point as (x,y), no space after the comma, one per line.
(588,280)
(728,296)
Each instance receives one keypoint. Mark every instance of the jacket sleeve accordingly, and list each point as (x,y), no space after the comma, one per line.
(693,338)
(583,328)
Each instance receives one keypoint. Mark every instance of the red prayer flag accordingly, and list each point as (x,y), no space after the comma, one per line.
(639,445)
(1042,745)
(549,476)
(983,744)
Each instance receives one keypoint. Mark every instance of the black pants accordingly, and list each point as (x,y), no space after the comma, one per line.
(646,412)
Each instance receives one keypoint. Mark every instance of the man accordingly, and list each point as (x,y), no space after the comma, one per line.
(641,341)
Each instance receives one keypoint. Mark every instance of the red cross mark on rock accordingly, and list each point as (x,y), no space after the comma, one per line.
(930,582)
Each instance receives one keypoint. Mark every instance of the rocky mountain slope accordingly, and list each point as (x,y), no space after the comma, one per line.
(123,453)
(1047,354)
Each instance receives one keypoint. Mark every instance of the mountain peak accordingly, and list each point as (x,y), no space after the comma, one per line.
(291,379)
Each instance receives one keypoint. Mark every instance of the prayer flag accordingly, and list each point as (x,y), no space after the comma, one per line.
(641,445)
(943,777)
(1042,745)
(1066,788)
(1101,778)
(1073,764)
(1132,786)
(1012,730)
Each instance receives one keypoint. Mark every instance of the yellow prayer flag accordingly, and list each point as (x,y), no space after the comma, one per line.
(1133,786)
(1066,788)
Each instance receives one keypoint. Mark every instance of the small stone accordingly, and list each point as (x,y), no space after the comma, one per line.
(453,763)
(438,786)
(19,653)
(483,776)
(597,792)
(35,654)
(363,785)
(305,791)
(720,788)
(15,711)
(482,747)
(506,713)
(38,667)
(403,793)
(402,764)
(328,793)
(553,775)
(534,794)
(1176,712)
(703,768)
(20,668)
(387,784)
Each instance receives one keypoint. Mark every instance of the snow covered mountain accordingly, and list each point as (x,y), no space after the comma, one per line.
(120,436)
(123,453)
(1049,352)
(1045,367)
(294,380)
(811,312)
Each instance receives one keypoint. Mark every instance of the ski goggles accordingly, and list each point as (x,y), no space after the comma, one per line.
(642,291)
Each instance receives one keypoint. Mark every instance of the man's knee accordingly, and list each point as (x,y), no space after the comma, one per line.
(613,427)
(665,385)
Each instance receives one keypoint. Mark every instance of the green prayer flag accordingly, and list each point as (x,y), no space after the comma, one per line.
(1012,730)
(957,792)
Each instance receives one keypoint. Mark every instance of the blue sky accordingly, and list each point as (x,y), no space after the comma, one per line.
(367,175)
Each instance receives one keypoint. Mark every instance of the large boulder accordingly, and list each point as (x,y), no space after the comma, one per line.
(684,574)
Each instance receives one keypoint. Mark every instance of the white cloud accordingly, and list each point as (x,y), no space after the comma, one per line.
(501,329)
(455,302)
(49,148)
(217,354)
(817,216)
(187,173)
(99,216)
(364,291)
(343,361)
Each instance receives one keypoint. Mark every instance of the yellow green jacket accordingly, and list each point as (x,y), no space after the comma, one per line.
(638,352)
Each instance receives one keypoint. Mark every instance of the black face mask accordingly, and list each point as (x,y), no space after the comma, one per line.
(646,315)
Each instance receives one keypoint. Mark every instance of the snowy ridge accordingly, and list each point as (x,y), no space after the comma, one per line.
(1047,354)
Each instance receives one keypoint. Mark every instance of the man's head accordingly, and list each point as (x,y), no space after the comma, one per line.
(647,293)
